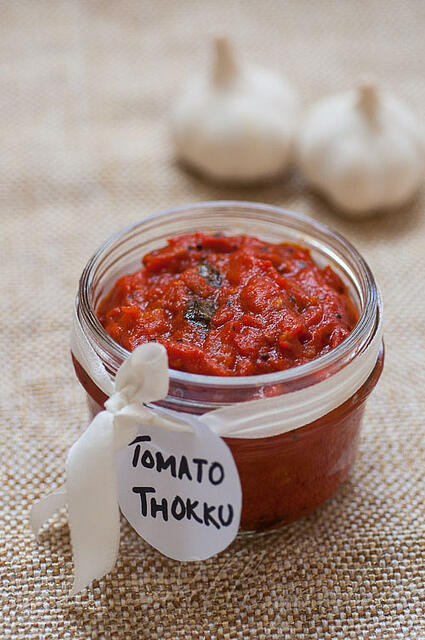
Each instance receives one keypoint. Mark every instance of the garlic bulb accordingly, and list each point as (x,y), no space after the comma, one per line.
(364,149)
(235,123)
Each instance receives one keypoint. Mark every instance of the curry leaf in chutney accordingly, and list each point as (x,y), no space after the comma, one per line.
(200,311)
(210,273)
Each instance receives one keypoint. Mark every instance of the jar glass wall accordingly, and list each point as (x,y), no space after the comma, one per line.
(287,475)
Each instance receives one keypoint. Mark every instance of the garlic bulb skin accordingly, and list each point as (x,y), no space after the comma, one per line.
(363,149)
(235,123)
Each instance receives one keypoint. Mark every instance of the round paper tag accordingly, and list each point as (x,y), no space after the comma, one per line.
(180,491)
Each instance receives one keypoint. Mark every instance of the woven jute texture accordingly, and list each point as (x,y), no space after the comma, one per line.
(85,92)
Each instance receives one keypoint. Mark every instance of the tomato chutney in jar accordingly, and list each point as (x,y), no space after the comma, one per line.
(256,303)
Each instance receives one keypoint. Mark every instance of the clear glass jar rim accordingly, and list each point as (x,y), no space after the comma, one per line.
(365,327)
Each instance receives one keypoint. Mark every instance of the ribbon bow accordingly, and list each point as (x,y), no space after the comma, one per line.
(90,492)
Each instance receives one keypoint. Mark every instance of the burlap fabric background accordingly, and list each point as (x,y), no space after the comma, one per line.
(85,88)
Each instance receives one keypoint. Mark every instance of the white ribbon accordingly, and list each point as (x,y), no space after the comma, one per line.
(90,492)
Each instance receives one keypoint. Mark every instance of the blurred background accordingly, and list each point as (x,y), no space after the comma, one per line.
(86,92)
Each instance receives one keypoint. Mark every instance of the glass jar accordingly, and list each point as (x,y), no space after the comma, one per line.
(283,476)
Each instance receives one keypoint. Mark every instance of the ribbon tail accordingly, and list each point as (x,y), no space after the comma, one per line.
(92,499)
(45,508)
